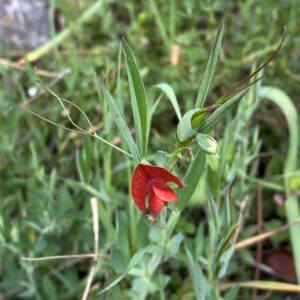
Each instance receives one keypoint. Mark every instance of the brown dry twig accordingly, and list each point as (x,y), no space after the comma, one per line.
(22,67)
(260,237)
(94,206)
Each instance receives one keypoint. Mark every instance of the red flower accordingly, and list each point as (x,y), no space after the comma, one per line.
(152,181)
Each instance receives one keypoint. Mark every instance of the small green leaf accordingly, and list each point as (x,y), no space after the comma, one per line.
(81,167)
(192,178)
(201,114)
(184,128)
(224,261)
(197,276)
(117,260)
(174,243)
(115,282)
(210,69)
(227,210)
(191,121)
(52,182)
(49,288)
(167,89)
(122,237)
(161,158)
(232,293)
(213,210)
(133,262)
(216,115)
(207,143)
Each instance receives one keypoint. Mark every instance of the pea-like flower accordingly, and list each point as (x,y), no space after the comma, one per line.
(150,182)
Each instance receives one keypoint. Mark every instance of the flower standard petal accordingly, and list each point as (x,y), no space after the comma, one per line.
(159,174)
(140,187)
(155,204)
(164,192)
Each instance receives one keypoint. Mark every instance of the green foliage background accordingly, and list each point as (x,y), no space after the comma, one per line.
(48,175)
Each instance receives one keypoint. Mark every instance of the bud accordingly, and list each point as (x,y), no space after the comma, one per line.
(207,143)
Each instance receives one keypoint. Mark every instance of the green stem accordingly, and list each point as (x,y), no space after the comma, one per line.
(292,204)
(132,215)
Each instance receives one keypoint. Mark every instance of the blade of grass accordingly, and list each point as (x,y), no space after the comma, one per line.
(169,92)
(160,24)
(196,274)
(133,262)
(120,121)
(210,69)
(192,178)
(213,210)
(217,115)
(270,185)
(138,100)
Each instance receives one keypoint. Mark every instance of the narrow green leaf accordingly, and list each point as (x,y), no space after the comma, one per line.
(168,90)
(49,288)
(213,210)
(210,69)
(122,235)
(118,261)
(232,293)
(81,167)
(138,100)
(197,276)
(227,209)
(184,128)
(115,282)
(216,115)
(106,223)
(201,114)
(224,262)
(174,243)
(191,179)
(270,185)
(133,262)
(160,24)
(52,182)
(99,193)
(122,126)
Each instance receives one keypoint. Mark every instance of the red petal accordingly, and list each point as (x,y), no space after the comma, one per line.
(161,175)
(155,204)
(139,187)
(164,192)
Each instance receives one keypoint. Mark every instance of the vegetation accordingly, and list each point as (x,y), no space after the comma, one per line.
(153,82)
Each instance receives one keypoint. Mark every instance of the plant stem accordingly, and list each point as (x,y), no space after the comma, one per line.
(291,204)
